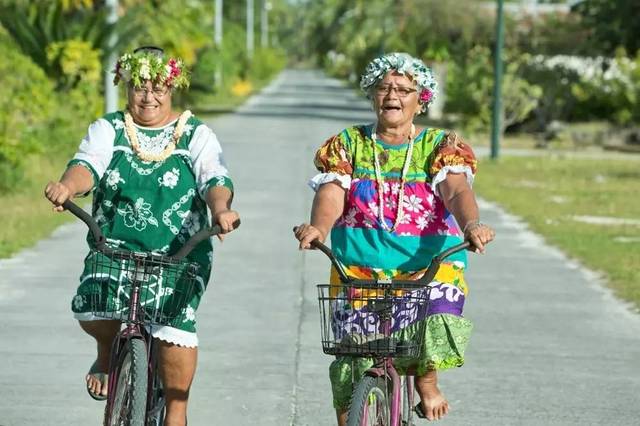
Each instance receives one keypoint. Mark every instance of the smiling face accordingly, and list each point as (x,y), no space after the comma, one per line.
(395,100)
(150,105)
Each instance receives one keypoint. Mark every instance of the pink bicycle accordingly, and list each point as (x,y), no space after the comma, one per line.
(366,318)
(135,395)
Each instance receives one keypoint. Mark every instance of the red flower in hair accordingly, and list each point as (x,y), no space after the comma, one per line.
(426,95)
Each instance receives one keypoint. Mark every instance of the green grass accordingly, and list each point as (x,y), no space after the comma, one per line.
(548,191)
(26,216)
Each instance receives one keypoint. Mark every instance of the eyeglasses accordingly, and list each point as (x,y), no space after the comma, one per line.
(157,92)
(401,91)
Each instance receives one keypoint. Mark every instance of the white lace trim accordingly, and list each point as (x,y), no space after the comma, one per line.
(442,175)
(322,178)
(154,144)
(175,336)
(162,332)
(128,149)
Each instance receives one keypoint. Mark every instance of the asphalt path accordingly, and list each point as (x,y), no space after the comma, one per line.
(551,346)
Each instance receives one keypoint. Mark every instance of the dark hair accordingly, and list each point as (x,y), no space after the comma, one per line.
(150,49)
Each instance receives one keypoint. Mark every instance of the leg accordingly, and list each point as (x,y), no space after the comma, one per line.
(342,372)
(177,366)
(434,405)
(104,331)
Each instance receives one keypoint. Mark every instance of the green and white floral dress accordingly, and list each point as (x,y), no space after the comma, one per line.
(151,206)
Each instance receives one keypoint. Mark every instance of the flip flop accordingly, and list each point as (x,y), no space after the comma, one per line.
(93,371)
(419,412)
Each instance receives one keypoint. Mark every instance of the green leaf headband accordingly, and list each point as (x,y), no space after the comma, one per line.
(405,64)
(138,67)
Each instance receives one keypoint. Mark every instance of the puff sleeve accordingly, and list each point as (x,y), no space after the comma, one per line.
(333,161)
(452,155)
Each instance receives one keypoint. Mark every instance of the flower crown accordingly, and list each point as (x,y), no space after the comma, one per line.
(138,67)
(402,63)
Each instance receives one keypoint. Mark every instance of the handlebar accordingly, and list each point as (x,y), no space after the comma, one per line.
(423,281)
(100,239)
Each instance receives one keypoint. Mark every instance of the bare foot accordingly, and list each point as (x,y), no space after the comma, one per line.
(97,378)
(434,404)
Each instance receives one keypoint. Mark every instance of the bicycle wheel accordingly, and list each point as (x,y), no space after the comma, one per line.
(369,403)
(130,394)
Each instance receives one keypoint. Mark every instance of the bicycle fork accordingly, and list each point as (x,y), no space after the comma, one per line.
(390,374)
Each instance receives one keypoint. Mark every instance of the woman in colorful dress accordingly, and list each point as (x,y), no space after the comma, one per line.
(393,195)
(153,173)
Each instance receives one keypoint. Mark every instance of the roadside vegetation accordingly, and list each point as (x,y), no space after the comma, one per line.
(584,206)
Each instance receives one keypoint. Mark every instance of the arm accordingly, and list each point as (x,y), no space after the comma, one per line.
(459,199)
(76,180)
(87,167)
(219,198)
(328,205)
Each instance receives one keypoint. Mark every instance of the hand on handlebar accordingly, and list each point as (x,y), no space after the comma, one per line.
(479,235)
(57,193)
(306,233)
(226,219)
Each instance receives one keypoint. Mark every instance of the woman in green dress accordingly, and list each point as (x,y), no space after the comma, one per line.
(153,173)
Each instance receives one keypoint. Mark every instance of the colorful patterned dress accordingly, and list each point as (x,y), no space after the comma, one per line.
(150,206)
(368,251)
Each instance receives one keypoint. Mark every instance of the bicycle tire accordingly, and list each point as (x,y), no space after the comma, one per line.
(130,394)
(370,396)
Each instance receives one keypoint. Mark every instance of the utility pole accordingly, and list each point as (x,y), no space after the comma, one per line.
(110,90)
(250,28)
(217,40)
(497,86)
(264,23)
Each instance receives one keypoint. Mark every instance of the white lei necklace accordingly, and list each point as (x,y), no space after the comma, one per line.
(380,181)
(132,134)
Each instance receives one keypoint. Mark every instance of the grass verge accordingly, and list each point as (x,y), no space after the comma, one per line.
(553,192)
(26,216)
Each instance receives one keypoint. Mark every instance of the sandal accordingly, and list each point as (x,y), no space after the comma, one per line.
(419,412)
(102,377)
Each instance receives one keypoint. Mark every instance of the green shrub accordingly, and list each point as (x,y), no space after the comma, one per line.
(470,90)
(611,91)
(266,63)
(26,101)
(34,118)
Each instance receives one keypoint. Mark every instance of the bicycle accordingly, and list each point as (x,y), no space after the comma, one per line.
(135,395)
(363,318)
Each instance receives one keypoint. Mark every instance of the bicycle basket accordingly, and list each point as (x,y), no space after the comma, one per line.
(164,291)
(376,321)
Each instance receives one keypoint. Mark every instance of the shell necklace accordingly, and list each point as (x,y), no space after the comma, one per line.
(380,180)
(132,134)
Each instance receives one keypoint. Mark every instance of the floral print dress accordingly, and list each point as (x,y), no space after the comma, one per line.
(150,206)
(367,250)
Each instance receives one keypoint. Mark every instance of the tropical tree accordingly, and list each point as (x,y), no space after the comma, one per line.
(612,24)
(55,35)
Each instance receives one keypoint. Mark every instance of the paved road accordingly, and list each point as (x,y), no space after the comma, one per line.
(551,346)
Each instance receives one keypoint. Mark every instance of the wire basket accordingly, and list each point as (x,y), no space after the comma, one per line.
(165,291)
(372,321)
